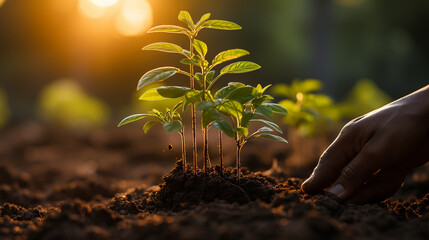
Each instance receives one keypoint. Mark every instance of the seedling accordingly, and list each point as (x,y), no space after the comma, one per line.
(310,112)
(236,100)
(242,104)
(171,121)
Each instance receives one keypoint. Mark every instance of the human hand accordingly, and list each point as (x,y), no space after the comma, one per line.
(371,156)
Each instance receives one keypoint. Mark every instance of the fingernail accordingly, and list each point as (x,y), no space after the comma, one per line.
(337,189)
(307,181)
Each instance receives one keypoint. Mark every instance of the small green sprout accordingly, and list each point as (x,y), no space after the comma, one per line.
(242,104)
(171,121)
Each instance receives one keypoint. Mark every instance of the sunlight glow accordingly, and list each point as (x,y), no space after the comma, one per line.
(104,3)
(91,10)
(134,18)
(1,2)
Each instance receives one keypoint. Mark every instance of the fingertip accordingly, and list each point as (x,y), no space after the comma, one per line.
(305,186)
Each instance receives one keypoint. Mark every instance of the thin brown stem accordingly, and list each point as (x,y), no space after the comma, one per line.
(221,153)
(193,112)
(238,161)
(205,130)
(182,135)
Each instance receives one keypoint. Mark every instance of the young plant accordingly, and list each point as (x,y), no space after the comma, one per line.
(171,121)
(309,112)
(242,104)
(205,78)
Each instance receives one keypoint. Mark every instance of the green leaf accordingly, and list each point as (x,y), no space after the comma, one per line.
(188,61)
(223,92)
(203,19)
(185,17)
(173,91)
(172,126)
(221,24)
(231,108)
(244,131)
(268,123)
(228,55)
(277,108)
(243,94)
(199,76)
(261,99)
(201,47)
(134,118)
(209,116)
(264,111)
(224,126)
(270,136)
(247,115)
(265,88)
(164,47)
(265,129)
(149,125)
(174,109)
(169,29)
(240,67)
(151,95)
(308,85)
(192,97)
(210,75)
(202,106)
(157,74)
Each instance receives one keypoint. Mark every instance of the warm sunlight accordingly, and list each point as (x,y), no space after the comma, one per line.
(1,2)
(90,9)
(134,18)
(104,3)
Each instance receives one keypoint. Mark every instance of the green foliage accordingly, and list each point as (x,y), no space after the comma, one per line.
(170,119)
(66,104)
(236,101)
(364,97)
(166,47)
(158,74)
(232,108)
(310,112)
(221,25)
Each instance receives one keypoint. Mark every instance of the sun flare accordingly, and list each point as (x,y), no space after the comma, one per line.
(130,17)
(134,18)
(104,3)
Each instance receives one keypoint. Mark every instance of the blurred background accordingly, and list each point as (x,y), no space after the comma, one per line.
(75,63)
(95,45)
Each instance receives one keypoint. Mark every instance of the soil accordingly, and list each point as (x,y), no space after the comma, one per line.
(112,184)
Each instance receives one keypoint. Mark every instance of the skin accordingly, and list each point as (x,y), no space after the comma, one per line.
(372,154)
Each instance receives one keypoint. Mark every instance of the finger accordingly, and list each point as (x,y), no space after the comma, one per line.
(384,185)
(335,157)
(360,170)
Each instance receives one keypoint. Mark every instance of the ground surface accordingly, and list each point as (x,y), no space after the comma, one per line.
(107,185)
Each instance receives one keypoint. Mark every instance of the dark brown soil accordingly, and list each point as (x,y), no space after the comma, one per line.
(90,187)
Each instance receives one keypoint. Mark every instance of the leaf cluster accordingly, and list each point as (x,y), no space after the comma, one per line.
(310,112)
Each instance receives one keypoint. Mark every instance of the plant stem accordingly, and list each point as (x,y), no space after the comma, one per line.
(193,112)
(221,153)
(238,160)
(205,129)
(182,135)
